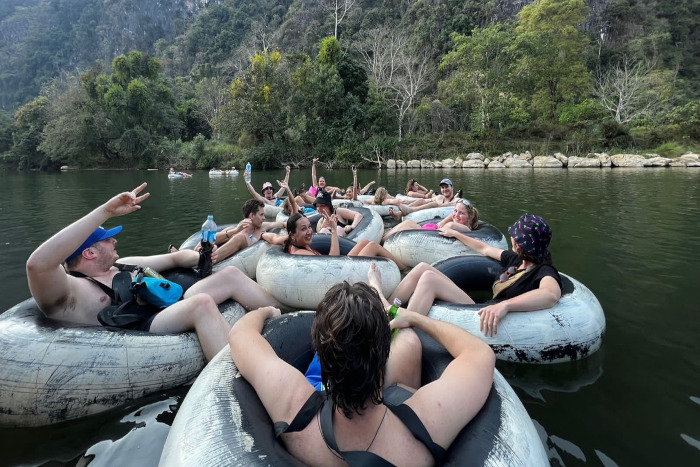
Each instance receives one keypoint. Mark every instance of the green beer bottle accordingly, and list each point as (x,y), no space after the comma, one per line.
(392,314)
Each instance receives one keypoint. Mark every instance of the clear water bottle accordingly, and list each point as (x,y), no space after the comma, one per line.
(247,174)
(207,241)
(392,314)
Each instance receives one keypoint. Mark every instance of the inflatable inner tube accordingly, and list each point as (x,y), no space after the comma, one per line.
(371,227)
(570,330)
(51,371)
(301,281)
(322,244)
(222,421)
(414,246)
(246,259)
(271,210)
(430,214)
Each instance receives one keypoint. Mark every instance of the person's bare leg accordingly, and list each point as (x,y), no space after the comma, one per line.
(408,284)
(428,205)
(231,247)
(433,285)
(396,214)
(231,283)
(197,312)
(374,250)
(404,364)
(374,280)
(405,225)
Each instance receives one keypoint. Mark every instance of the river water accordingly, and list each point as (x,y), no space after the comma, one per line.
(628,234)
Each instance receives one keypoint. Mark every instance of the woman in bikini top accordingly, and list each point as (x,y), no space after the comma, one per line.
(300,235)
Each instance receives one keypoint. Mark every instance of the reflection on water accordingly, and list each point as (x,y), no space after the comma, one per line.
(535,381)
(628,235)
(143,442)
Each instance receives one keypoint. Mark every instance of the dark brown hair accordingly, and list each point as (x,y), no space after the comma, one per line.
(292,222)
(352,337)
(251,207)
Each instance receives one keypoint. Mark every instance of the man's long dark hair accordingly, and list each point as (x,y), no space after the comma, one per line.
(352,337)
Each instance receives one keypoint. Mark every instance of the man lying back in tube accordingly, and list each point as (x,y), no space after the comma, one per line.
(87,248)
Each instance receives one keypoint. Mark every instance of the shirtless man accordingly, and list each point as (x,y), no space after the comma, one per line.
(446,195)
(361,367)
(248,231)
(89,249)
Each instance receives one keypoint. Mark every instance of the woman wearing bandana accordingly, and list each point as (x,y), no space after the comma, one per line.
(528,282)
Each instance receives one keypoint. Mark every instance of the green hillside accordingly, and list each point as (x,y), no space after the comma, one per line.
(126,83)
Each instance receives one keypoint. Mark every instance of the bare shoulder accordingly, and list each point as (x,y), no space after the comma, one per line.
(80,303)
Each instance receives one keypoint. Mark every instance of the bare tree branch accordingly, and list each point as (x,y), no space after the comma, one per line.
(626,90)
(399,72)
(338,8)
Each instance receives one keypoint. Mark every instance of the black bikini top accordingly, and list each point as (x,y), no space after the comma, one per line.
(394,398)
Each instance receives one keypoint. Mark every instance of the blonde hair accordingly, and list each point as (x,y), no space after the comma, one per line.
(472,213)
(380,195)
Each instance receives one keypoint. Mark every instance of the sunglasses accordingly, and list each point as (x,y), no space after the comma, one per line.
(268,188)
(465,202)
(507,274)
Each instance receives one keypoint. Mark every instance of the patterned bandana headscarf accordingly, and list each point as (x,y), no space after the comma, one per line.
(532,234)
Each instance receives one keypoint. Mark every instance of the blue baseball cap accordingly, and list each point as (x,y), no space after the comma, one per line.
(446,181)
(98,235)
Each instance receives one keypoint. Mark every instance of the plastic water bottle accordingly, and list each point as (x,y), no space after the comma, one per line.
(247,174)
(392,314)
(208,240)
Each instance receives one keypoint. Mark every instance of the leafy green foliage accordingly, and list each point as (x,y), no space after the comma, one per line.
(508,79)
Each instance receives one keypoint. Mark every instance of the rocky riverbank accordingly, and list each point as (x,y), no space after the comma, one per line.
(525,160)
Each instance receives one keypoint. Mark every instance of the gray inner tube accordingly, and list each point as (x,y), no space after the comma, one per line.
(367,219)
(249,439)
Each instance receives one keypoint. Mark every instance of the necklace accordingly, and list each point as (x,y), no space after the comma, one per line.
(377,432)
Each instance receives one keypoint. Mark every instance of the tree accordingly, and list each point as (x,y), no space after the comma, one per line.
(630,91)
(550,67)
(255,111)
(30,120)
(477,83)
(338,8)
(399,71)
(6,124)
(211,98)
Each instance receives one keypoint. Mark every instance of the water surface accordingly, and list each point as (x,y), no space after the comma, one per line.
(628,234)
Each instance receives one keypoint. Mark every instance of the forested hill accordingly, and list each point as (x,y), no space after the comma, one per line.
(89,82)
(39,39)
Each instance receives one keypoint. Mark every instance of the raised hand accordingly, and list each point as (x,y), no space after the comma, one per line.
(127,202)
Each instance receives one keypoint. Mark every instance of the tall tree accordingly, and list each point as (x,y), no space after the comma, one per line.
(629,91)
(337,8)
(477,82)
(255,112)
(399,71)
(551,53)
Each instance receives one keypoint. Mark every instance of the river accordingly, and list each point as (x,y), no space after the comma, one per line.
(628,234)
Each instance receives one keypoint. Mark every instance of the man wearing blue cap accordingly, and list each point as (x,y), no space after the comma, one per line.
(89,250)
(446,195)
